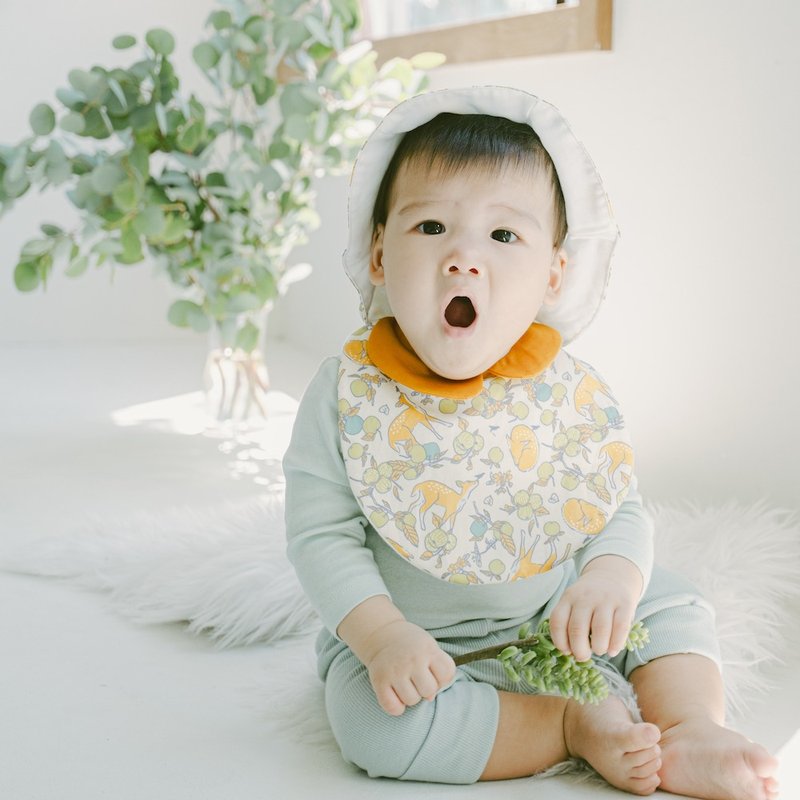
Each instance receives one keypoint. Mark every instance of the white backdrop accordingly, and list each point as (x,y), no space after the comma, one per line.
(692,121)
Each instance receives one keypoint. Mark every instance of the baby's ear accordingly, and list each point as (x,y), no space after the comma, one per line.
(376,277)
(556,277)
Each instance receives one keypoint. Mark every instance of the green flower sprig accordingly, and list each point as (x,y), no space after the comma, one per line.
(537,661)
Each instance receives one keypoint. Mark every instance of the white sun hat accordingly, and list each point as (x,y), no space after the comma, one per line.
(592,235)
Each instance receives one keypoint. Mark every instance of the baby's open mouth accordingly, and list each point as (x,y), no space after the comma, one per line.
(460,313)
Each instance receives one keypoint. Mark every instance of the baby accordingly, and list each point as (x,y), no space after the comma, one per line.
(454,473)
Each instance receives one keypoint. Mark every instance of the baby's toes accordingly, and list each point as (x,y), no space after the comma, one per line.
(647,769)
(644,786)
(641,757)
(642,736)
(772,789)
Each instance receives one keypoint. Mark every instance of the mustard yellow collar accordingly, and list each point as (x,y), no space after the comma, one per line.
(389,350)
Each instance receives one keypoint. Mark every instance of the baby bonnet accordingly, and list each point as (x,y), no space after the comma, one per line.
(592,232)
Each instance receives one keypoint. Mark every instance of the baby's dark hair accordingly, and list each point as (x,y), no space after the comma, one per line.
(452,141)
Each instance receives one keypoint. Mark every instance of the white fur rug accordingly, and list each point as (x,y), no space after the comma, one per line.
(224,572)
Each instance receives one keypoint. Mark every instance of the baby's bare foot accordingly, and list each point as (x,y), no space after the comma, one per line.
(703,759)
(624,752)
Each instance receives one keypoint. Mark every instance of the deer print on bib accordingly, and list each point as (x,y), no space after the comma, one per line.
(502,486)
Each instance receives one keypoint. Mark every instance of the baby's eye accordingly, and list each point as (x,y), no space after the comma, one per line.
(502,235)
(430,227)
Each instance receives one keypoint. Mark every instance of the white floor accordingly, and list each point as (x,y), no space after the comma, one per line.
(94,707)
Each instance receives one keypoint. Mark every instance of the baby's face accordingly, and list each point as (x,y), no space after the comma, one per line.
(467,261)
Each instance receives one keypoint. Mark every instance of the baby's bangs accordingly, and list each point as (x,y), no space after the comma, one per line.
(447,164)
(449,143)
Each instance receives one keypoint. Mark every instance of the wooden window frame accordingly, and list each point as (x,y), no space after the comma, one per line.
(563,29)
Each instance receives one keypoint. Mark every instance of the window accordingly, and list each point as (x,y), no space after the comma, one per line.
(482,30)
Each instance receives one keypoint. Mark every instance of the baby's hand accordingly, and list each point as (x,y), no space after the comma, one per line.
(596,613)
(406,665)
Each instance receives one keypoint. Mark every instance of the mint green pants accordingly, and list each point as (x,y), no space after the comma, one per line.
(449,740)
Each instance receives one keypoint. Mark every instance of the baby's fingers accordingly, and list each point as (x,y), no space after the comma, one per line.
(444,670)
(559,619)
(619,634)
(602,626)
(388,700)
(578,632)
(426,684)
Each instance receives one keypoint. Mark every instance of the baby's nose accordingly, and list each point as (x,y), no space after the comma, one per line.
(455,268)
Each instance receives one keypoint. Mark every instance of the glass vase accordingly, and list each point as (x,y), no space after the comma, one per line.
(236,380)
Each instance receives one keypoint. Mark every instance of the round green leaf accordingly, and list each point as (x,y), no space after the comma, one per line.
(143,117)
(348,10)
(178,313)
(298,99)
(122,104)
(334,156)
(255,28)
(186,314)
(106,177)
(191,136)
(161,118)
(26,276)
(270,179)
(150,222)
(77,267)
(73,122)
(71,98)
(297,127)
(220,19)
(265,284)
(131,247)
(42,119)
(83,194)
(205,55)
(243,301)
(58,167)
(247,337)
(279,150)
(36,247)
(242,42)
(92,85)
(139,159)
(98,126)
(126,195)
(317,30)
(17,163)
(291,33)
(51,230)
(263,88)
(123,42)
(161,41)
(55,153)
(175,229)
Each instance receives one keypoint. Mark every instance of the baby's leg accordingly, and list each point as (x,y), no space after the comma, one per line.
(472,731)
(536,732)
(680,690)
(683,695)
(447,740)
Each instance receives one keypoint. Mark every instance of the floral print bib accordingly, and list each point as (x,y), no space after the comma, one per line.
(499,487)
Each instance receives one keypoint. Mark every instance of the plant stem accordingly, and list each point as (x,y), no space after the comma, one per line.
(494,650)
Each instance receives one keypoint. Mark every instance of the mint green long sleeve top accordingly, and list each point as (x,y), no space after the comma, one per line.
(341,560)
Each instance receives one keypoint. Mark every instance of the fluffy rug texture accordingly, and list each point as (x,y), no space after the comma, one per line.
(223,571)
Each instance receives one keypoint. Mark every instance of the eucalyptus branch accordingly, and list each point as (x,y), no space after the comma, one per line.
(206,198)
